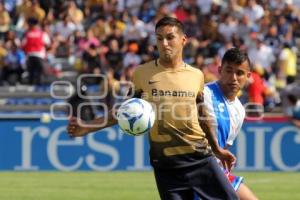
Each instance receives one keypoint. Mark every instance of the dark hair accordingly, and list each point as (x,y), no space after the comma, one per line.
(292,98)
(32,21)
(170,21)
(236,56)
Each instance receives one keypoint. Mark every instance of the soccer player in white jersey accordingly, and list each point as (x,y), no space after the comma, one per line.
(225,109)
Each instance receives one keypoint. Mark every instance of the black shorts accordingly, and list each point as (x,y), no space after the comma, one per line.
(205,178)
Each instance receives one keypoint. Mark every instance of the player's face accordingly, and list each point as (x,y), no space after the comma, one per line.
(233,77)
(170,42)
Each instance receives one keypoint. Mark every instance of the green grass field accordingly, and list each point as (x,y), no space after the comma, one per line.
(124,185)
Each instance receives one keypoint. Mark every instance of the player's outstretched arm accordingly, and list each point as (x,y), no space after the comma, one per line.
(225,156)
(77,129)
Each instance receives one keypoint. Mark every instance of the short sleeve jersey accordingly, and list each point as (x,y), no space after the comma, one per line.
(227,116)
(176,138)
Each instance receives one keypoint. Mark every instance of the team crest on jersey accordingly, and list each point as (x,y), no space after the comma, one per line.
(221,107)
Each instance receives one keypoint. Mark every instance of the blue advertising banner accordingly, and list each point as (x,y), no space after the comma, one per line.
(32,145)
(268,146)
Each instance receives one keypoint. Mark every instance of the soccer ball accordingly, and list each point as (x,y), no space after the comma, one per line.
(135,116)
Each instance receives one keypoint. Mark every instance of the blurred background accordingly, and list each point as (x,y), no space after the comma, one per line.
(109,38)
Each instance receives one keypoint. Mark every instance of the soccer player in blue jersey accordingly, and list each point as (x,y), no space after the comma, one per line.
(226,111)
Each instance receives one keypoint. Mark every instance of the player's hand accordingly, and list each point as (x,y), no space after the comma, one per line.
(74,129)
(226,157)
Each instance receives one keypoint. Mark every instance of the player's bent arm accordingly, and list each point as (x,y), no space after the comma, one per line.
(206,124)
(110,120)
(227,158)
(78,129)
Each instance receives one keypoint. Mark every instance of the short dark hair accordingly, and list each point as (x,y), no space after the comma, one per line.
(292,98)
(32,21)
(236,56)
(169,21)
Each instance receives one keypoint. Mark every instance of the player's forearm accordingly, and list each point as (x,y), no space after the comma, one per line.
(212,139)
(206,125)
(102,122)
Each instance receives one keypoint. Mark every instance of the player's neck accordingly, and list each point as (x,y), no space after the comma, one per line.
(172,64)
(230,96)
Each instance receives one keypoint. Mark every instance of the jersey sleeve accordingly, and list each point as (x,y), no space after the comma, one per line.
(208,104)
(135,90)
(135,80)
(201,82)
(238,124)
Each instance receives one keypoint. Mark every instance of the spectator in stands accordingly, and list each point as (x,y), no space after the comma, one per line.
(101,29)
(162,11)
(244,27)
(93,9)
(275,24)
(273,39)
(4,21)
(133,6)
(11,37)
(200,64)
(181,13)
(135,29)
(65,27)
(112,87)
(31,9)
(214,65)
(205,6)
(191,26)
(264,23)
(91,60)
(293,88)
(114,58)
(85,41)
(34,45)
(75,14)
(283,25)
(14,65)
(254,11)
(146,11)
(258,90)
(235,9)
(294,109)
(132,57)
(228,27)
(288,63)
(3,53)
(262,55)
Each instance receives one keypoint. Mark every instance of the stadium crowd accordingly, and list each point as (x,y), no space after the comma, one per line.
(111,37)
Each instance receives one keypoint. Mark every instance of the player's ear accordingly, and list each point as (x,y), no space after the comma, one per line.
(184,40)
(248,74)
(220,69)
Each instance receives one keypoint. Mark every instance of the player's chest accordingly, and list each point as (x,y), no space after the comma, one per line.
(171,85)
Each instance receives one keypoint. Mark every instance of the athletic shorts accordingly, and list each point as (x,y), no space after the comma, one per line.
(206,179)
(234,180)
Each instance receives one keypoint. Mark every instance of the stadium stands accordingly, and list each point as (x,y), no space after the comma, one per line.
(110,38)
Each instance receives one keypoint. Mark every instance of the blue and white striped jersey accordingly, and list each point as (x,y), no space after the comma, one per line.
(227,116)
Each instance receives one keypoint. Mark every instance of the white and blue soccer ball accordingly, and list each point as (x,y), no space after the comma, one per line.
(135,116)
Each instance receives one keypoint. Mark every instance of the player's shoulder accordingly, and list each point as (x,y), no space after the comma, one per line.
(210,85)
(145,68)
(208,91)
(193,69)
